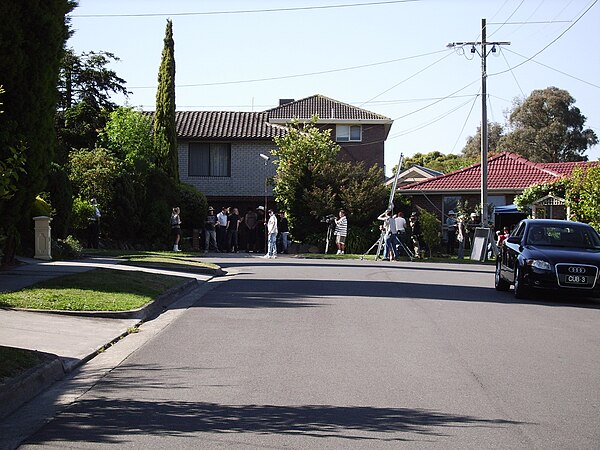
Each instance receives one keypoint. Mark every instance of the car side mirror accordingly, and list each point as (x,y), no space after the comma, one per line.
(514,240)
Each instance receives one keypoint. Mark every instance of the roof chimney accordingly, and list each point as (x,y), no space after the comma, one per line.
(285,101)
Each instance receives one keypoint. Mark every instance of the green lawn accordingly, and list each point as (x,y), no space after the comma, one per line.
(16,361)
(96,290)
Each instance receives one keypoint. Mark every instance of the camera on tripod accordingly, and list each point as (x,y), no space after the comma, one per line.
(328,219)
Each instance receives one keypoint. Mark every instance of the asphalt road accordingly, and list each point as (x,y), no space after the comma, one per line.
(293,353)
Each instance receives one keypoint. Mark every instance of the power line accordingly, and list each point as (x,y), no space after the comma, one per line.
(554,69)
(308,74)
(243,11)
(552,42)
(436,102)
(436,119)
(406,79)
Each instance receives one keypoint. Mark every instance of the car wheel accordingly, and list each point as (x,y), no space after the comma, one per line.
(520,289)
(500,283)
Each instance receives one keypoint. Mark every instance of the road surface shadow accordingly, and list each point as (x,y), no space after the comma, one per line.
(244,293)
(113,421)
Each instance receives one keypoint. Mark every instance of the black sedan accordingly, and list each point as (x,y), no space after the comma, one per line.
(552,255)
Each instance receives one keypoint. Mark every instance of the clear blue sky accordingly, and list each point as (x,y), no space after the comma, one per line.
(389,57)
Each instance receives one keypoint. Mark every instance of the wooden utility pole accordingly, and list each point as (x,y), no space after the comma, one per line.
(484,123)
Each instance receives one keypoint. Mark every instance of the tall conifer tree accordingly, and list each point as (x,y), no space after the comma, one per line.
(32,38)
(165,134)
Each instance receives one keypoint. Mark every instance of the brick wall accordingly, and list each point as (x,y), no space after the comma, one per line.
(248,172)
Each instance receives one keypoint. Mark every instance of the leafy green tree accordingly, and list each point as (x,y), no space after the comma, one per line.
(430,226)
(85,86)
(32,38)
(302,154)
(128,133)
(165,133)
(546,127)
(438,161)
(472,149)
(86,78)
(583,195)
(93,174)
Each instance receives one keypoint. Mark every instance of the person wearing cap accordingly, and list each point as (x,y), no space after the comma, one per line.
(451,232)
(210,234)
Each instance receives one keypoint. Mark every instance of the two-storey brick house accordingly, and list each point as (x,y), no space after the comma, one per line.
(220,151)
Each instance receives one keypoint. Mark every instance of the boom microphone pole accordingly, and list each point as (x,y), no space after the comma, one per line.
(391,201)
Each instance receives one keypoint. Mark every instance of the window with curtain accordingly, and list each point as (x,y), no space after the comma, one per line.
(348,133)
(209,160)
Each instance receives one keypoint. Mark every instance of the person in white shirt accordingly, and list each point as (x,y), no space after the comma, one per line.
(272,235)
(389,228)
(401,227)
(222,219)
(341,231)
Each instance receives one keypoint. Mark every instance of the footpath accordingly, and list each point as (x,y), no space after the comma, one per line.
(67,340)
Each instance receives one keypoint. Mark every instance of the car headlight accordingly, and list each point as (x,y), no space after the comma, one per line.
(539,264)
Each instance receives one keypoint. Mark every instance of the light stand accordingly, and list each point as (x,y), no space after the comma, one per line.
(266,159)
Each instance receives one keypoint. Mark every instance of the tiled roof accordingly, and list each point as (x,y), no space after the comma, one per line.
(224,125)
(326,108)
(506,171)
(566,168)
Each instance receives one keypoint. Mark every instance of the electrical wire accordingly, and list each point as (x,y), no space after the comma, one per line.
(300,75)
(406,79)
(466,120)
(512,72)
(243,11)
(437,101)
(552,42)
(554,69)
(436,119)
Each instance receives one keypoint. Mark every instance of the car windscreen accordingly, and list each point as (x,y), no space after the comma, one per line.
(569,236)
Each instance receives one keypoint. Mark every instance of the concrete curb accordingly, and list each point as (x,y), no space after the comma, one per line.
(22,389)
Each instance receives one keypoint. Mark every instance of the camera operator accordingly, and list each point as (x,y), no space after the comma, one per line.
(389,228)
(341,231)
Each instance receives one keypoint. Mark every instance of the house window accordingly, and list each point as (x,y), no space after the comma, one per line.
(348,133)
(209,160)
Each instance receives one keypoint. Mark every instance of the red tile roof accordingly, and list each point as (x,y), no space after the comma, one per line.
(506,171)
(225,125)
(327,109)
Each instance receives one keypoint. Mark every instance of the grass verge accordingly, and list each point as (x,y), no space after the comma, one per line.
(16,361)
(95,290)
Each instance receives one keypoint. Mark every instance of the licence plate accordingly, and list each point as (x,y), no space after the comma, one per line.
(576,279)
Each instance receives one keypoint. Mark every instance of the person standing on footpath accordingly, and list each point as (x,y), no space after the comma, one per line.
(283,232)
(221,228)
(233,226)
(461,236)
(209,230)
(401,228)
(416,233)
(389,227)
(176,228)
(451,232)
(272,235)
(94,226)
(251,220)
(341,231)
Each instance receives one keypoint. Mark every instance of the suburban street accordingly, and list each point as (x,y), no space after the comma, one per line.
(327,354)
